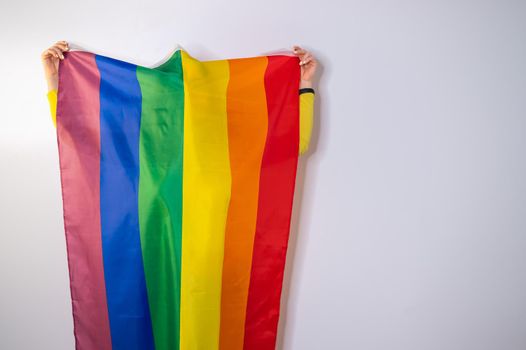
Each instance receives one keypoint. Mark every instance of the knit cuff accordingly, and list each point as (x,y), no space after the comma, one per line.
(304,90)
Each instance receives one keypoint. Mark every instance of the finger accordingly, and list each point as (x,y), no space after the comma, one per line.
(311,62)
(306,58)
(61,50)
(62,42)
(46,54)
(58,52)
(50,53)
(62,46)
(298,50)
(307,55)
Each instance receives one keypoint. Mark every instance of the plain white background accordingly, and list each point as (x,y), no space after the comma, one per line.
(409,224)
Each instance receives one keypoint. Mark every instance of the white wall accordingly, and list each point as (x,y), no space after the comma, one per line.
(410,214)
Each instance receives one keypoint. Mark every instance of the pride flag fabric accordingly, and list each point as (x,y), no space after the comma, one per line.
(177,187)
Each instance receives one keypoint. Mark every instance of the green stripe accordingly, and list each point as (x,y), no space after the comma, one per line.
(160,194)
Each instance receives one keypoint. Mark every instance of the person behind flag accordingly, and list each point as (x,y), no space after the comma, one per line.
(52,56)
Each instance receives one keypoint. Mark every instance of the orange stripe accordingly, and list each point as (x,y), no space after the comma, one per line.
(247,131)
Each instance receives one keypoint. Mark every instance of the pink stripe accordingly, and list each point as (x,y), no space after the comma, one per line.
(78,137)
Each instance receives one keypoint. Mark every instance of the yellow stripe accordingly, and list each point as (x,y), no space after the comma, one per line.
(206,196)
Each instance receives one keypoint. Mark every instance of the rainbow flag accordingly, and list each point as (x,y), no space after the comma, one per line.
(177,186)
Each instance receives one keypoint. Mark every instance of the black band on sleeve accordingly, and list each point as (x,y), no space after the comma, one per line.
(304,90)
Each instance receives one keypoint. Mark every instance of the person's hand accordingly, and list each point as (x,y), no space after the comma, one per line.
(308,66)
(50,59)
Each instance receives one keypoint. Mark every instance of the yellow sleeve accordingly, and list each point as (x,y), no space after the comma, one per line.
(306,119)
(52,99)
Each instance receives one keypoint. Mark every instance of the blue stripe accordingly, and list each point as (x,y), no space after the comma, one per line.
(120,120)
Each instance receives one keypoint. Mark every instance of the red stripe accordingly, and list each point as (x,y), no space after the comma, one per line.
(78,137)
(276,191)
